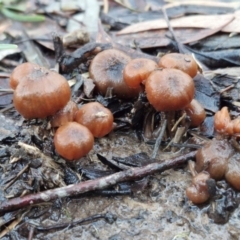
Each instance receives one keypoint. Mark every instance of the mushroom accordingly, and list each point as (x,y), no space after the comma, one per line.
(20,73)
(106,70)
(196,113)
(213,158)
(198,191)
(73,141)
(137,71)
(222,122)
(236,126)
(169,89)
(183,62)
(64,115)
(232,174)
(97,118)
(39,92)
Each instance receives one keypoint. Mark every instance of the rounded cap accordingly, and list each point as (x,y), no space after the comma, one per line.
(97,118)
(64,115)
(196,113)
(137,71)
(183,62)
(73,141)
(236,126)
(20,73)
(169,89)
(233,171)
(198,191)
(106,70)
(213,158)
(222,122)
(41,93)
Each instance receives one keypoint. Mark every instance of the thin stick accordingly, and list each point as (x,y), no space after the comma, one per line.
(92,185)
(178,121)
(159,139)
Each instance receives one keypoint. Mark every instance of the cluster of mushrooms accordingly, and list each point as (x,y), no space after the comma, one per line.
(217,159)
(169,86)
(41,93)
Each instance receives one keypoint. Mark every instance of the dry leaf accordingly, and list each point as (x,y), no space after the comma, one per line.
(199,21)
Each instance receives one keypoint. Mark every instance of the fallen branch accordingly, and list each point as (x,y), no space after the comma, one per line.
(96,184)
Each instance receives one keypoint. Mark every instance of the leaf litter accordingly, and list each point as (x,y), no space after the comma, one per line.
(155,205)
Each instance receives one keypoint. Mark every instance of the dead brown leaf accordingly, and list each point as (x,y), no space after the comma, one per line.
(199,21)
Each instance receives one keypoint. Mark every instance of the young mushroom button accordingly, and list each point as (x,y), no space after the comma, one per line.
(222,122)
(106,70)
(97,118)
(64,115)
(39,92)
(73,141)
(169,89)
(137,71)
(183,62)
(196,113)
(198,191)
(20,73)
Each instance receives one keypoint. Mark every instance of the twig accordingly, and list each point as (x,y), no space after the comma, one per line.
(226,89)
(159,139)
(6,90)
(178,121)
(97,184)
(31,232)
(16,177)
(171,29)
(6,108)
(107,216)
(105,6)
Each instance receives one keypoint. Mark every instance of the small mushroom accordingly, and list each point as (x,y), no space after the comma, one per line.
(20,73)
(236,126)
(97,118)
(196,113)
(73,141)
(169,89)
(198,191)
(106,70)
(64,115)
(137,71)
(232,174)
(183,62)
(213,158)
(222,122)
(39,92)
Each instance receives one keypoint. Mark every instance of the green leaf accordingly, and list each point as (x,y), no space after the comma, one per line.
(21,17)
(8,46)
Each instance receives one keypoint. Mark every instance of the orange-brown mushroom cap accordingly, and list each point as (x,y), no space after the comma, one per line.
(20,73)
(64,115)
(169,89)
(97,118)
(232,174)
(222,122)
(198,191)
(106,70)
(196,113)
(73,141)
(137,71)
(40,93)
(183,62)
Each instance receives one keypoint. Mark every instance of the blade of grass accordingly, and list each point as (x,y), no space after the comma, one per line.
(8,46)
(21,17)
